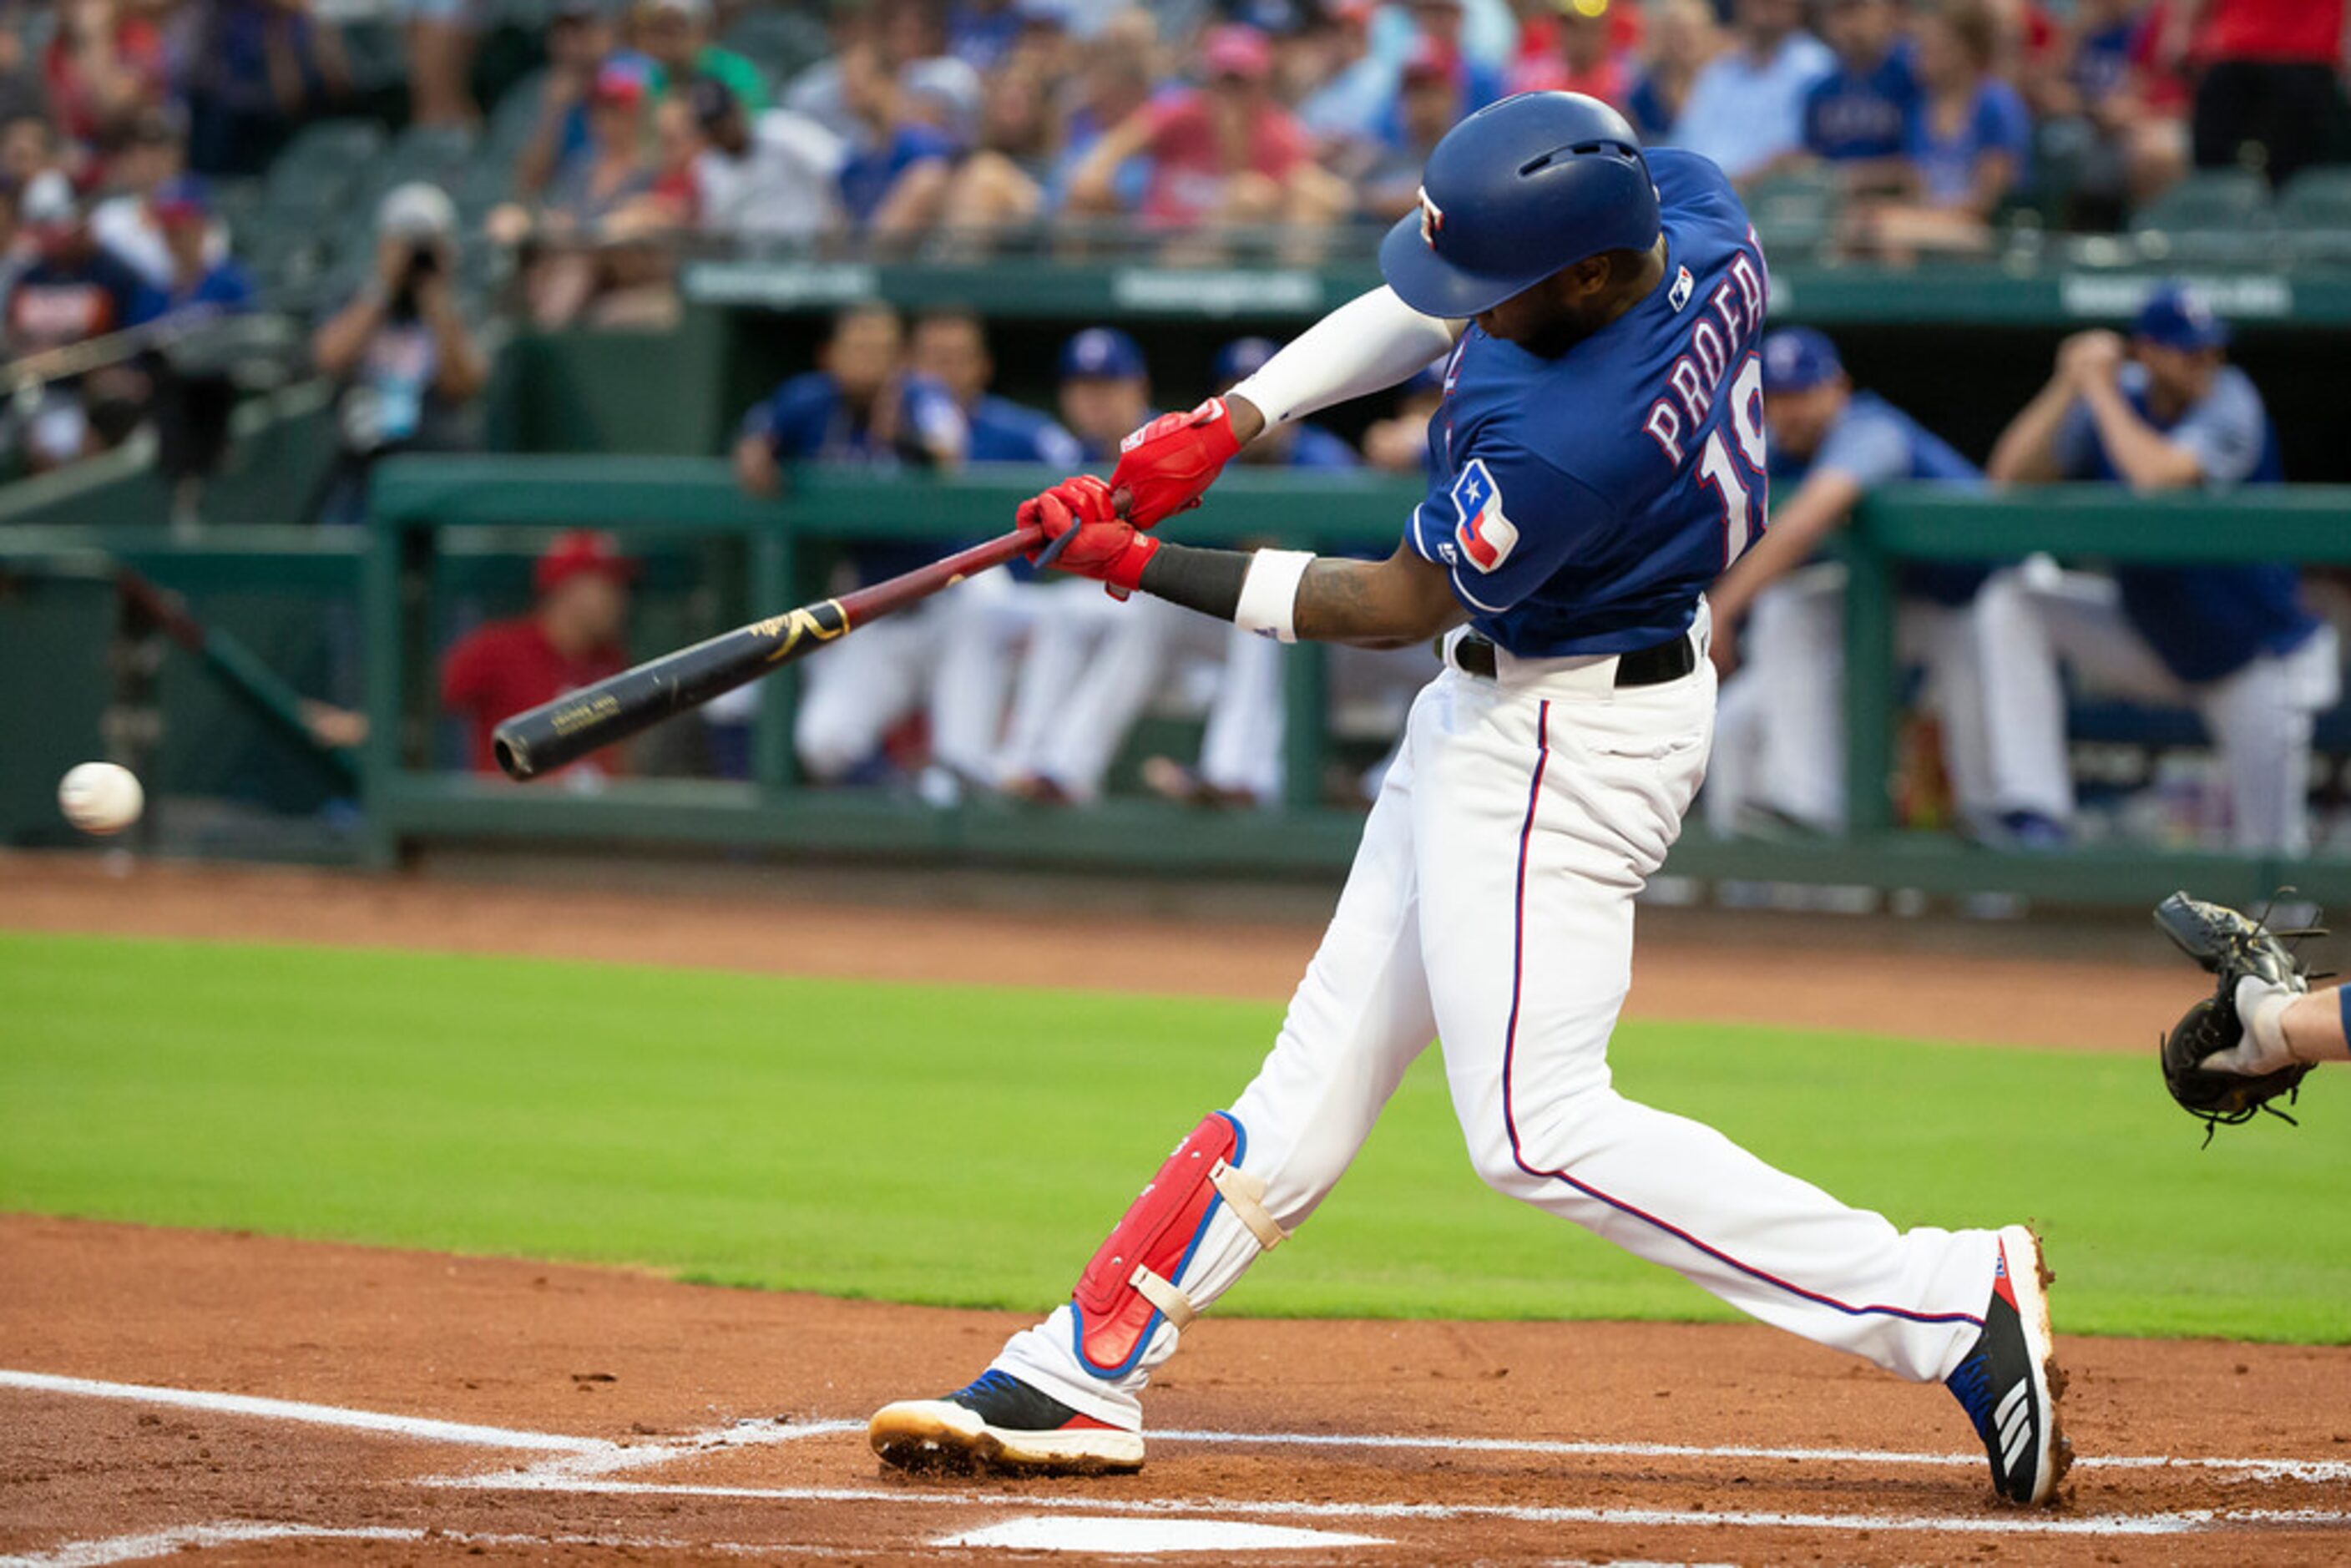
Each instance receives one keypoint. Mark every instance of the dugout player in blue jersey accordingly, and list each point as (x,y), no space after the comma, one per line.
(1599,459)
(985,621)
(2165,412)
(1779,757)
(861,408)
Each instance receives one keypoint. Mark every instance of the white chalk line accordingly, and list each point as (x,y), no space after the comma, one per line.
(600,1456)
(2261,1469)
(112,1549)
(579,1456)
(2186,1522)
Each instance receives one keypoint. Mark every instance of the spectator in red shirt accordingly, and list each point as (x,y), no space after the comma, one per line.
(570,639)
(1588,55)
(101,68)
(2269,98)
(1224,154)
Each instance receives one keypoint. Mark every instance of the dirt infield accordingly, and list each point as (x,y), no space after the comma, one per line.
(637,1420)
(1833,975)
(245,1399)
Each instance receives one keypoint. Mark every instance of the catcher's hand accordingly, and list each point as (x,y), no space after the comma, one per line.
(2234,947)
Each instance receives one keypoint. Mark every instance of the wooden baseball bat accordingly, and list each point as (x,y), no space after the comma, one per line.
(577,723)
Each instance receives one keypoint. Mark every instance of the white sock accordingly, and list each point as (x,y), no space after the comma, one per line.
(2261,1006)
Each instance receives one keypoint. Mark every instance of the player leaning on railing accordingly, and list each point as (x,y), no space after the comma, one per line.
(1598,460)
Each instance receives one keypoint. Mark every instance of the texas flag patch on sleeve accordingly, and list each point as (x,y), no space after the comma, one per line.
(1484,535)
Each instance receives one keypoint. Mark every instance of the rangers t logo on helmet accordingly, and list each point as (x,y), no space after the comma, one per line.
(1432,220)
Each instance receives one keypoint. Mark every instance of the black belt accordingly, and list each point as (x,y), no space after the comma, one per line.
(1668,661)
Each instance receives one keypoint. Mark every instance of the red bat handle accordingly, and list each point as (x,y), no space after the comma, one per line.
(863,604)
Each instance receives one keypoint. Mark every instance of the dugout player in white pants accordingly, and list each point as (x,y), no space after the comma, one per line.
(2167,413)
(1598,462)
(1779,744)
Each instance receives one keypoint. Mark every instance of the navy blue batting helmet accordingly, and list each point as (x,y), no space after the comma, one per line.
(1513,193)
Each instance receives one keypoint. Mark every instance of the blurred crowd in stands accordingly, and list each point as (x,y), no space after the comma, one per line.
(952,127)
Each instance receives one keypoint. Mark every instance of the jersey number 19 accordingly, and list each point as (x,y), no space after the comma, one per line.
(1737,479)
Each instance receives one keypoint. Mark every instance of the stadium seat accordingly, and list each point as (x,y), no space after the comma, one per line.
(2314,214)
(2206,200)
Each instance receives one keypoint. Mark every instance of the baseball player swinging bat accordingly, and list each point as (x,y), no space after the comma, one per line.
(577,723)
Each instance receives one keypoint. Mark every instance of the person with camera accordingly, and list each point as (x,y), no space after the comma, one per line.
(408,366)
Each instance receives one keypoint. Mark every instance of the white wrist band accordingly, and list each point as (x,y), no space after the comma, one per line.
(1269,593)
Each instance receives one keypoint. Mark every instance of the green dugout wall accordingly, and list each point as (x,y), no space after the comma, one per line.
(452,539)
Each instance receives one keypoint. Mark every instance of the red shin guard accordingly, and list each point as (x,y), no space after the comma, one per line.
(1132,1282)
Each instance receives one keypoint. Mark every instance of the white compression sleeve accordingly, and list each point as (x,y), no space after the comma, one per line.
(1367,344)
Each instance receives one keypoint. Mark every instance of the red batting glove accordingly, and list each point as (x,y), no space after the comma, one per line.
(1085,536)
(1163,467)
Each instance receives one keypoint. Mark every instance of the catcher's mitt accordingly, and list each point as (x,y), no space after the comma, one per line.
(2230,945)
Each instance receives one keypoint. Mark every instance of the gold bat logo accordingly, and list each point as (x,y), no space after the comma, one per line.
(807,622)
(603,704)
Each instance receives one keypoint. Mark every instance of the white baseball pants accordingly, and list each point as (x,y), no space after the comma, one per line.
(1491,905)
(1780,743)
(2260,717)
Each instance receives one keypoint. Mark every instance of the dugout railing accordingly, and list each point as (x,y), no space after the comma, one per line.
(423,506)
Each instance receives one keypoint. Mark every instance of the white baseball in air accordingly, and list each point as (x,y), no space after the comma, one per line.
(101,798)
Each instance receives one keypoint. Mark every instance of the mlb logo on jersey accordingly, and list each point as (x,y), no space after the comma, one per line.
(1484,535)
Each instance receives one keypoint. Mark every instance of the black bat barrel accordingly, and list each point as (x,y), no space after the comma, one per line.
(537,742)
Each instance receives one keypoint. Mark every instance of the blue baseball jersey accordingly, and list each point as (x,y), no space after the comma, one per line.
(1004,432)
(1857,114)
(1316,447)
(805,419)
(1582,505)
(1872,442)
(2203,622)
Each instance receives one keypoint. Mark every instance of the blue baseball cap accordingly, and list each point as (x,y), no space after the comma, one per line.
(1101,353)
(1798,358)
(2176,317)
(1241,359)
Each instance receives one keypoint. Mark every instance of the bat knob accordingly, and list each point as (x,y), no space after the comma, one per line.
(513,757)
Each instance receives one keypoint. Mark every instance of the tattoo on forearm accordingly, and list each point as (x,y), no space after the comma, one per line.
(1336,601)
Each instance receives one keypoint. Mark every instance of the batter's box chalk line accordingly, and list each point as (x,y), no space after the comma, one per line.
(154,1543)
(577,1464)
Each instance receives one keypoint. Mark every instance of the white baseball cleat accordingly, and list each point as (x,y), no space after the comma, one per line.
(997,1424)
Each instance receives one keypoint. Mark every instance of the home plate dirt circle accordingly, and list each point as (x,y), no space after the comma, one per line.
(1112,1535)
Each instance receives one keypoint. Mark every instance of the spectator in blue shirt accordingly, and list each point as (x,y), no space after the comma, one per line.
(194,397)
(2166,412)
(200,283)
(72,291)
(1746,107)
(1971,143)
(894,183)
(1781,744)
(1861,118)
(1684,35)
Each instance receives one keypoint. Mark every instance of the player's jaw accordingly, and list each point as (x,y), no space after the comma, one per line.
(1575,302)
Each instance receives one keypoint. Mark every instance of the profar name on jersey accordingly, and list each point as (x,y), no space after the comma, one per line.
(1732,318)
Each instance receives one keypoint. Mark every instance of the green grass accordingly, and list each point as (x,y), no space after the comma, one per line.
(970,1146)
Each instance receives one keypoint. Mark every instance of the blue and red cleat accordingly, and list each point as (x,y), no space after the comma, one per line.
(998,1425)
